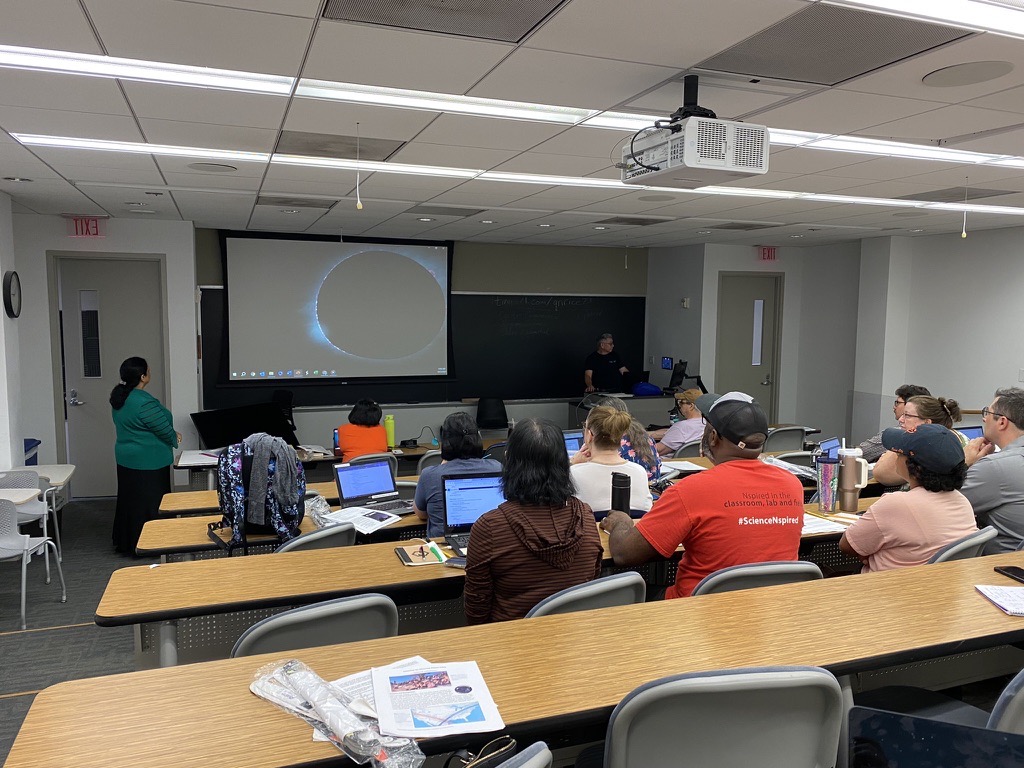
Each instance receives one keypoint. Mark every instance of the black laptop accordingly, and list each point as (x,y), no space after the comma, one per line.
(370,484)
(466,498)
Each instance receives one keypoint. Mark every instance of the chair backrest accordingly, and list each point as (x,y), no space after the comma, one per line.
(1008,713)
(766,574)
(21,478)
(428,459)
(491,413)
(967,547)
(496,452)
(12,541)
(687,450)
(390,457)
(340,535)
(619,589)
(771,717)
(800,458)
(344,620)
(785,439)
(537,755)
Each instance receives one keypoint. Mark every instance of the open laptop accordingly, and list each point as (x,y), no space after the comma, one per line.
(466,498)
(573,440)
(370,484)
(830,447)
(971,432)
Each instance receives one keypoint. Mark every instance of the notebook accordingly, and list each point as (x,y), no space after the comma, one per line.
(1009,599)
(573,440)
(369,484)
(466,498)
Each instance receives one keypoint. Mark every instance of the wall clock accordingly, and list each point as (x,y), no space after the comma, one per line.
(12,293)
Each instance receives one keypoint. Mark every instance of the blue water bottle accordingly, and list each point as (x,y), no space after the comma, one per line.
(336,446)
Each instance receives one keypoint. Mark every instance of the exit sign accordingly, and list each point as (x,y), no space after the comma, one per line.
(86,226)
(766,252)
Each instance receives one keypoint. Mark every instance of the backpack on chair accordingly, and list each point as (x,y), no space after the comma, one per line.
(281,513)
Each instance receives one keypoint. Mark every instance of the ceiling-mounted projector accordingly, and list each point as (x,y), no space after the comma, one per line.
(696,152)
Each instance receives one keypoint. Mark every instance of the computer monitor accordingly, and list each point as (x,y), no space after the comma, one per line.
(226,426)
(678,375)
(467,497)
(573,440)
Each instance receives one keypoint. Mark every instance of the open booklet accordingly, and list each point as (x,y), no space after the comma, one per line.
(1009,599)
(364,519)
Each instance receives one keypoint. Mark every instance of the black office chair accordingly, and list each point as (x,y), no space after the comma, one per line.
(491,414)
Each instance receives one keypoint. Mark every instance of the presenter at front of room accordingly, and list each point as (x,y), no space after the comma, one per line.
(603,367)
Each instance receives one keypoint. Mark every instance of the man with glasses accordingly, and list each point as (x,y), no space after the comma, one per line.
(603,369)
(995,481)
(872,447)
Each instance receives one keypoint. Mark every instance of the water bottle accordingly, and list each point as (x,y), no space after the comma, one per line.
(853,475)
(620,491)
(337,445)
(389,427)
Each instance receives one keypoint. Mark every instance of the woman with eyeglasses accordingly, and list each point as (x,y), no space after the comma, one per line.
(919,409)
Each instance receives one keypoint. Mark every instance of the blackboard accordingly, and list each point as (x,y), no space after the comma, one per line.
(533,346)
(508,346)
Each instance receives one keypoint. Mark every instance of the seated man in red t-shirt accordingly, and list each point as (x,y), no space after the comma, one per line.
(740,511)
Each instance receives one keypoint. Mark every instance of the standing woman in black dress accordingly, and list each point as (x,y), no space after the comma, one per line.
(143,451)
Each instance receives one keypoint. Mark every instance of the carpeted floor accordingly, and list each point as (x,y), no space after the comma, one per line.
(61,642)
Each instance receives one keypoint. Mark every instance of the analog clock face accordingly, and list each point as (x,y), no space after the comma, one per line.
(12,294)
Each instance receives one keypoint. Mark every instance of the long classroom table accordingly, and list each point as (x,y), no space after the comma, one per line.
(566,672)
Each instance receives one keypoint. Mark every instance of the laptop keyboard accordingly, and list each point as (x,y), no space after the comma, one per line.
(389,506)
(458,541)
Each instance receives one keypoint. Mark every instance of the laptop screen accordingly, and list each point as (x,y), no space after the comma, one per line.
(364,482)
(971,432)
(830,447)
(885,738)
(466,497)
(573,441)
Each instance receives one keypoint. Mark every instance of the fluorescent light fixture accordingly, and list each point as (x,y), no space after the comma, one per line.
(556,181)
(979,15)
(776,194)
(439,102)
(853,200)
(620,121)
(898,149)
(138,147)
(786,138)
(974,208)
(374,166)
(68,63)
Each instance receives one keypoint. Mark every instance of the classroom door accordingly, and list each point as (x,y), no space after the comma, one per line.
(110,309)
(746,357)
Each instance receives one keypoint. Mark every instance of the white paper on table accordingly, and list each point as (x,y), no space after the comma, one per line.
(683,466)
(814,524)
(359,688)
(197,459)
(364,519)
(435,700)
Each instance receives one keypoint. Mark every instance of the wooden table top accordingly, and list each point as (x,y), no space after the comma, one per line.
(571,666)
(142,594)
(56,474)
(19,495)
(184,535)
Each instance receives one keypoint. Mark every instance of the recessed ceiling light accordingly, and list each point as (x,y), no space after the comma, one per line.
(17,179)
(135,205)
(424,218)
(155,194)
(289,210)
(796,235)
(213,167)
(545,225)
(486,221)
(917,230)
(600,228)
(656,198)
(703,231)
(140,210)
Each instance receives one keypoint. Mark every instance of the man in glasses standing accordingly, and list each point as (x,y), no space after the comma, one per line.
(872,447)
(603,369)
(995,481)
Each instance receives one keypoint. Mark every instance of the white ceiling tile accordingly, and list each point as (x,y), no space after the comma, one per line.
(278,172)
(951,175)
(201,35)
(655,32)
(903,79)
(447,156)
(68,158)
(173,164)
(230,137)
(838,111)
(1010,142)
(354,53)
(147,177)
(306,9)
(943,123)
(471,193)
(489,133)
(394,186)
(566,198)
(46,90)
(586,142)
(338,119)
(214,181)
(272,217)
(726,100)
(205,105)
(804,161)
(1010,100)
(555,165)
(337,190)
(58,122)
(546,77)
(55,24)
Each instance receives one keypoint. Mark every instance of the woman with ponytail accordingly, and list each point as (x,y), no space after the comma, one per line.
(143,451)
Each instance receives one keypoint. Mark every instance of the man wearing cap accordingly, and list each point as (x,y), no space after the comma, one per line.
(689,428)
(995,481)
(739,511)
(902,529)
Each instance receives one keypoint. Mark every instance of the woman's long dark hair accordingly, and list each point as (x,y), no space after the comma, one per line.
(132,371)
(536,468)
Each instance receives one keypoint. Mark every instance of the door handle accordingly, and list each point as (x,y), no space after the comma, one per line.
(767,381)
(74,398)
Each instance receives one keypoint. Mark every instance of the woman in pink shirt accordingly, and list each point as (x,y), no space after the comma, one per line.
(902,529)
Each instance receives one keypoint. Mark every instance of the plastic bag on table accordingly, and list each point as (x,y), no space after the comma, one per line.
(295,688)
